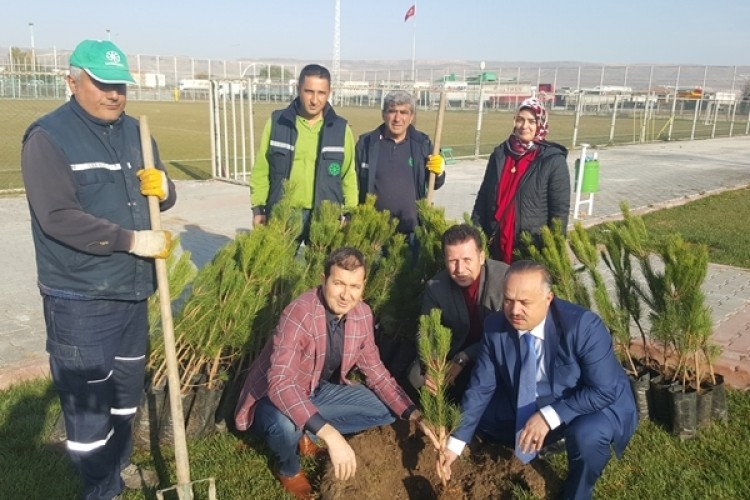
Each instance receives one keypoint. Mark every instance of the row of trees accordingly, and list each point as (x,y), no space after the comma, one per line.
(232,305)
(653,288)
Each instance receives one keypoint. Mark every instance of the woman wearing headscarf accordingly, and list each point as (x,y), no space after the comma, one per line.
(525,186)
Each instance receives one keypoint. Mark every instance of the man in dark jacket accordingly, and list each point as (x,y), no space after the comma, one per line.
(86,187)
(394,162)
(466,291)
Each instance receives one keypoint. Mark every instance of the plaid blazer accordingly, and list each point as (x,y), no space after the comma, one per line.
(288,369)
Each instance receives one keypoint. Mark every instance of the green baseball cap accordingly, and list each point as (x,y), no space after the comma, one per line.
(102,60)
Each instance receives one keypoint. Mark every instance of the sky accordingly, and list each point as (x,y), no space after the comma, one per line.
(611,32)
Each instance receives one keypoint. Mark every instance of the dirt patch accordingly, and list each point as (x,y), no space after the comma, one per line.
(397,462)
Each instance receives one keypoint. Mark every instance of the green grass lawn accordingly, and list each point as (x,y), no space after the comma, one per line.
(716,221)
(708,221)
(183,133)
(656,465)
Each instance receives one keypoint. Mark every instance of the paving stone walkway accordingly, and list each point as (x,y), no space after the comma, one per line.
(210,213)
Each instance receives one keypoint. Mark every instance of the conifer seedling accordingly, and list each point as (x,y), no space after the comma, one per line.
(440,415)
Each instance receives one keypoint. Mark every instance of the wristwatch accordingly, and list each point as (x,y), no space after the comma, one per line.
(460,359)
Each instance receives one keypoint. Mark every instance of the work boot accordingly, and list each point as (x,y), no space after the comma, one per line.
(297,485)
(309,449)
(138,478)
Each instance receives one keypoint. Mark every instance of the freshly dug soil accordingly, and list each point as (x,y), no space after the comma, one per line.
(398,463)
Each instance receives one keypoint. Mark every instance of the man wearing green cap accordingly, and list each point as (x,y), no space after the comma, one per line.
(86,187)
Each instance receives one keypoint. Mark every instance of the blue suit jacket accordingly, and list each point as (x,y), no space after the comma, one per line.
(584,373)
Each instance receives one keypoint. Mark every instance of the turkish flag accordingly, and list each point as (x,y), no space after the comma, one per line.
(409,13)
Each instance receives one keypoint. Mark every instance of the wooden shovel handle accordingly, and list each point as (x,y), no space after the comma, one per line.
(436,144)
(175,398)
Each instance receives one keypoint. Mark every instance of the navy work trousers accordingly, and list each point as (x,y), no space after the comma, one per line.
(97,354)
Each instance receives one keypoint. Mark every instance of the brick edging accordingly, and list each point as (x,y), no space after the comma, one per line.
(23,371)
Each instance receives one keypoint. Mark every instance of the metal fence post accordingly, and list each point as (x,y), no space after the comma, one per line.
(577,120)
(695,117)
(614,119)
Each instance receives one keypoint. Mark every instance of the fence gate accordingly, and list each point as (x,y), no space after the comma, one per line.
(232,132)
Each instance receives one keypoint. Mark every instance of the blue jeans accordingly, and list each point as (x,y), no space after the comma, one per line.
(348,408)
(97,360)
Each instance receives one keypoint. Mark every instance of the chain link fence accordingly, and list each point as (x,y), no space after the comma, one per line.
(599,105)
(38,73)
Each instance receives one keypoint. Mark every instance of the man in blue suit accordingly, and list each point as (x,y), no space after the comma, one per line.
(581,391)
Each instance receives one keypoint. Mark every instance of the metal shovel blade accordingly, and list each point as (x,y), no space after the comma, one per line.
(178,487)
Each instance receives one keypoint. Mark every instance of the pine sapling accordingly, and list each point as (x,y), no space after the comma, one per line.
(614,316)
(685,269)
(440,415)
(556,256)
(626,243)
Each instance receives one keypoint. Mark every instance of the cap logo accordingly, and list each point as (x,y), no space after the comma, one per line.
(112,57)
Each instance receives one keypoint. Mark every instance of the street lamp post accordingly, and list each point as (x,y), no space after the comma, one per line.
(481,109)
(33,52)
(109,35)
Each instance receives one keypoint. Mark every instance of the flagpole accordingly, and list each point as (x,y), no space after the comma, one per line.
(414,45)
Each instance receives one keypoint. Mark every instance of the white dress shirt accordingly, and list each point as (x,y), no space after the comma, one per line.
(543,388)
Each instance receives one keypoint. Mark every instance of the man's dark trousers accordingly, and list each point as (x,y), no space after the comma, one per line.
(97,360)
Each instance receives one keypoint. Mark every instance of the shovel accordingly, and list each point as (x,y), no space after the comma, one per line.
(436,144)
(184,486)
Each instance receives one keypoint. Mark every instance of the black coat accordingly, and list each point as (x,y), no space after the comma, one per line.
(543,194)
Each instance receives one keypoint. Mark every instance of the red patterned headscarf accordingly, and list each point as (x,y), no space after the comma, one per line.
(535,106)
(516,147)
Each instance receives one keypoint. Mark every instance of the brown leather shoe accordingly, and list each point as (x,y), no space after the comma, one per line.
(309,449)
(297,485)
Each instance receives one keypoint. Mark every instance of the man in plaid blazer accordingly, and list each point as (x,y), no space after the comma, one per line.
(298,384)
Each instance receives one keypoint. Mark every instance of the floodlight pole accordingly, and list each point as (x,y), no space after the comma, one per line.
(481,109)
(33,51)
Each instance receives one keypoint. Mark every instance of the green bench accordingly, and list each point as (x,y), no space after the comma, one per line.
(448,155)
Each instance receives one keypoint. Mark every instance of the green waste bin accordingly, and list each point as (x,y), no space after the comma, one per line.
(590,176)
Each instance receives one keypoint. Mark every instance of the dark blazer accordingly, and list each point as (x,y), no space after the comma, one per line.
(441,292)
(543,194)
(584,374)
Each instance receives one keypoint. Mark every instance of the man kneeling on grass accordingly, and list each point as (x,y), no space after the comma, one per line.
(298,385)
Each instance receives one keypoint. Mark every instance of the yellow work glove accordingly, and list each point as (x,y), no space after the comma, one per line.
(153,183)
(436,164)
(151,244)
